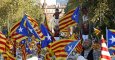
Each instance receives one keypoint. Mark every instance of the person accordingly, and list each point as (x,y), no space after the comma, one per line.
(56,30)
(87,52)
(56,15)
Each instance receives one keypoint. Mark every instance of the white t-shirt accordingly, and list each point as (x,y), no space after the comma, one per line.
(81,58)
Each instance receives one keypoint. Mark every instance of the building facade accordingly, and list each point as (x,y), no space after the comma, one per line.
(49,10)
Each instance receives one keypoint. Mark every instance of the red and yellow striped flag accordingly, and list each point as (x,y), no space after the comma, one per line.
(8,54)
(66,20)
(14,35)
(18,37)
(2,42)
(58,47)
(79,47)
(48,56)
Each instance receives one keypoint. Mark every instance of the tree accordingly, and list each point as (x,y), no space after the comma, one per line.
(13,10)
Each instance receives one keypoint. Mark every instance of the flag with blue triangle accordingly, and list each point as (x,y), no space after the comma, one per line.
(70,47)
(22,29)
(110,41)
(75,15)
(31,29)
(110,38)
(48,37)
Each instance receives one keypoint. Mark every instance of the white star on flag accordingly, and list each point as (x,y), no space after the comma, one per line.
(112,39)
(31,30)
(27,48)
(74,15)
(70,47)
(49,37)
(20,29)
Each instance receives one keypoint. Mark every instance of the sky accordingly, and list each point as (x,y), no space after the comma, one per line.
(53,2)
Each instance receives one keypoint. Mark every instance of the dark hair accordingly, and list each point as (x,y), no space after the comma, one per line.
(56,9)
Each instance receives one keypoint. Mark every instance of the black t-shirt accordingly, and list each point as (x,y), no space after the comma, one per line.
(56,14)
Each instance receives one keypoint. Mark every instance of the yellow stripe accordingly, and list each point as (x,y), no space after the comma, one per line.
(112,30)
(19,40)
(1,50)
(69,11)
(60,53)
(68,24)
(60,48)
(4,55)
(2,35)
(66,16)
(60,44)
(11,32)
(9,54)
(60,40)
(16,36)
(2,45)
(61,58)
(69,19)
(2,40)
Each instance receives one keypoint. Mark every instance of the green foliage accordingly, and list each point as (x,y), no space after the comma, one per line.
(72,4)
(13,10)
(101,13)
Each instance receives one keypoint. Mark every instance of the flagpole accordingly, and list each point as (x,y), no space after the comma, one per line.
(107,36)
(23,52)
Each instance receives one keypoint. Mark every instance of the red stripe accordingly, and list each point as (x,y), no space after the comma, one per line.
(49,46)
(35,25)
(14,34)
(16,25)
(0,32)
(59,51)
(42,36)
(61,55)
(1,42)
(63,41)
(70,12)
(39,31)
(59,46)
(106,57)
(48,55)
(2,38)
(2,48)
(11,58)
(65,18)
(19,37)
(66,15)
(7,46)
(65,22)
(102,41)
(32,20)
(104,49)
(67,25)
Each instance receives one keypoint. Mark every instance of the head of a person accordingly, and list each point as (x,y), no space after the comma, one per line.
(56,10)
(87,44)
